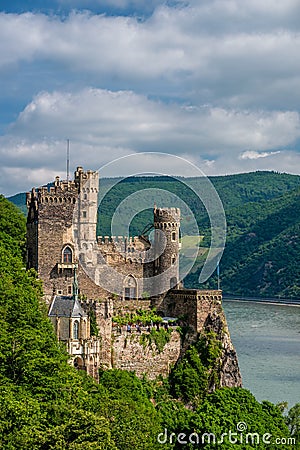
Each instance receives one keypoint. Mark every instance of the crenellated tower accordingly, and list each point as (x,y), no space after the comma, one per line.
(166,246)
(55,213)
(85,216)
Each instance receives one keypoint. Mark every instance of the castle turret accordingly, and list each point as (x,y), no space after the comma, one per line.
(166,246)
(86,211)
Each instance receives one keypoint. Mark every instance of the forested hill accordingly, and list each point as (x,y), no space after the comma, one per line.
(262,212)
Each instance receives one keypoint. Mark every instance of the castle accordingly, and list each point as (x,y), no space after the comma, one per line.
(90,280)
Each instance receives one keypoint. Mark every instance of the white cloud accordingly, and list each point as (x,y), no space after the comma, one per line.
(123,118)
(284,161)
(256,155)
(195,50)
(217,81)
(138,5)
(103,125)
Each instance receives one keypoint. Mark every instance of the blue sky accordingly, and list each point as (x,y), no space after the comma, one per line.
(213,81)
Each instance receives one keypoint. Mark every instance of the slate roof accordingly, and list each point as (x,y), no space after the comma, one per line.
(66,306)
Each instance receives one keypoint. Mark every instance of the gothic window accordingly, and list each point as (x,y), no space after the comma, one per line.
(173,260)
(174,236)
(130,288)
(67,255)
(76,330)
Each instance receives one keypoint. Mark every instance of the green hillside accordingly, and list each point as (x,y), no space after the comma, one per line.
(20,201)
(262,213)
(261,257)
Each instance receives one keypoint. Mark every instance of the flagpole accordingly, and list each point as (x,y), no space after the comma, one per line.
(68,160)
(218,275)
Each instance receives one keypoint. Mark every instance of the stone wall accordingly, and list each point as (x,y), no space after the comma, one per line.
(191,305)
(202,311)
(121,307)
(129,354)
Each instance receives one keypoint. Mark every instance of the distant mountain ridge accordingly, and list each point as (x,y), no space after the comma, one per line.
(262,254)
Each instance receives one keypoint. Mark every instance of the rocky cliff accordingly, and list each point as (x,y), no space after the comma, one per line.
(155,352)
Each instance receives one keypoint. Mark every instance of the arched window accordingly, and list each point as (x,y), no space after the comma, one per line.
(78,363)
(130,287)
(76,330)
(67,255)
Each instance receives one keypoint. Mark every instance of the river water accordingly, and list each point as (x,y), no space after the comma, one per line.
(267,340)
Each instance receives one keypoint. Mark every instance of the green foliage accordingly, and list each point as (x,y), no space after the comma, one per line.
(134,420)
(189,379)
(224,409)
(12,228)
(193,376)
(20,201)
(209,348)
(293,421)
(158,337)
(44,402)
(93,323)
(142,316)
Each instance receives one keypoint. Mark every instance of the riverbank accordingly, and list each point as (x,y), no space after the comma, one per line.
(271,301)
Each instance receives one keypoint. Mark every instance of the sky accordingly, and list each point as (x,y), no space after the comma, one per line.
(216,82)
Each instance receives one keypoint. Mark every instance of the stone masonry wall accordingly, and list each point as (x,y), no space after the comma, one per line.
(129,354)
(202,311)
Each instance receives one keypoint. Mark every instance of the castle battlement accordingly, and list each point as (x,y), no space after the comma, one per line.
(62,191)
(129,241)
(131,248)
(87,181)
(66,190)
(167,215)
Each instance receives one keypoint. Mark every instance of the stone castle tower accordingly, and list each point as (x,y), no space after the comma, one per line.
(113,274)
(166,242)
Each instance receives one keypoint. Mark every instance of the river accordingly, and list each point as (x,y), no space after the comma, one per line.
(267,340)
